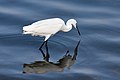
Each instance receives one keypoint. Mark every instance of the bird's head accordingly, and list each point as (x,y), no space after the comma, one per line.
(73,22)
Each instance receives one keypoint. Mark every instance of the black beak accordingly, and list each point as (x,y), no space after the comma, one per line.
(78,30)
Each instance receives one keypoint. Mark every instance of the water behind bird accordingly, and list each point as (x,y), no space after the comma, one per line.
(98,54)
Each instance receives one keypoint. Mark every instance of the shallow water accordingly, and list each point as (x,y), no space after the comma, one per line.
(98,55)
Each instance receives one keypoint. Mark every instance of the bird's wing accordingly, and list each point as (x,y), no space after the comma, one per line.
(49,26)
(47,22)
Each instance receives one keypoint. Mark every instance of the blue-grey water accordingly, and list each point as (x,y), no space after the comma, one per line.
(98,56)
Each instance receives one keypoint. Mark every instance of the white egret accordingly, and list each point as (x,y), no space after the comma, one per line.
(49,27)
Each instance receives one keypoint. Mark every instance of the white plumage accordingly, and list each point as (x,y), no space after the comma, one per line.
(49,27)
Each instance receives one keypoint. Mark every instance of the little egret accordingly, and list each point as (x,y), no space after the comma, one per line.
(49,27)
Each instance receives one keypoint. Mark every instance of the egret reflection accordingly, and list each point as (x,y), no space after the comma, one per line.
(47,66)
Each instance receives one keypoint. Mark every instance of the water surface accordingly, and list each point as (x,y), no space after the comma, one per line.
(98,53)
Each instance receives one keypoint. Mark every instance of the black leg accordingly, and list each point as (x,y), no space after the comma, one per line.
(42,53)
(42,50)
(42,45)
(45,56)
(47,53)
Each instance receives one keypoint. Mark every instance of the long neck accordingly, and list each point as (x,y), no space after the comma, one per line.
(67,27)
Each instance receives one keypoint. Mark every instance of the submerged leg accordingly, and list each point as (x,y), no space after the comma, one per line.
(47,53)
(45,56)
(42,53)
(42,50)
(42,45)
